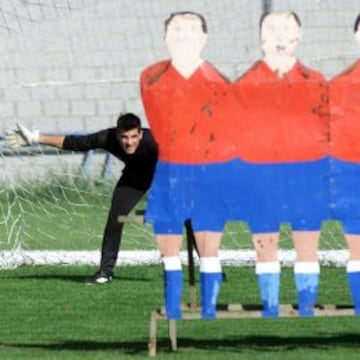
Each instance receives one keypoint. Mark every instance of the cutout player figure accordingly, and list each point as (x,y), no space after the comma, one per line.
(188,104)
(283,143)
(345,163)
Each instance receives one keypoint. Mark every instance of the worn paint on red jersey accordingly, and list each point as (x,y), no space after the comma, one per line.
(192,119)
(345,114)
(282,119)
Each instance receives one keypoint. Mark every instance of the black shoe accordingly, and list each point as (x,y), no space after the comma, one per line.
(99,278)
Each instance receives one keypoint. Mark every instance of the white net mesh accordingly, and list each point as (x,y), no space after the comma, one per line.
(71,66)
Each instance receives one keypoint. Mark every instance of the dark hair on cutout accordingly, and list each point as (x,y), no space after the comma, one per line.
(201,18)
(292,13)
(128,121)
(357,23)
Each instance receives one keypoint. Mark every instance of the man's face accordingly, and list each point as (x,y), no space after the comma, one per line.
(129,140)
(280,34)
(185,36)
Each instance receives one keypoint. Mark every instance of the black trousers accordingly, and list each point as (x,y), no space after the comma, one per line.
(123,200)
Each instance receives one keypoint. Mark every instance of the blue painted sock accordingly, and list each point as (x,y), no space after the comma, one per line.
(269,285)
(173,293)
(307,289)
(210,284)
(268,275)
(354,284)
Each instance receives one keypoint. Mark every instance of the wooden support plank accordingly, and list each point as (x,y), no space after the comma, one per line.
(192,294)
(172,334)
(334,310)
(153,333)
(235,311)
(139,219)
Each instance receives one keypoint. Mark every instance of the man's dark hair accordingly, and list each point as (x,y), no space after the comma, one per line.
(266,14)
(128,121)
(201,18)
(357,22)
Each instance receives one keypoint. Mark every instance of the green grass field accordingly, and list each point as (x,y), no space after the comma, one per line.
(48,313)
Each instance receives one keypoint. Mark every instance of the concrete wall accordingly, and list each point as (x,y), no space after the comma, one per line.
(76,66)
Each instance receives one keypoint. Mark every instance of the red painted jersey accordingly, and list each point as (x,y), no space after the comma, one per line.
(282,119)
(192,119)
(345,114)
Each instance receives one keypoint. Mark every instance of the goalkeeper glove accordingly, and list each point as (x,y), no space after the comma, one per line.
(20,137)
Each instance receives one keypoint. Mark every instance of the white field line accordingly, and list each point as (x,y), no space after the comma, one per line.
(11,259)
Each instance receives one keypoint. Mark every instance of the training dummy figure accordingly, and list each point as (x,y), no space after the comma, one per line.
(345,163)
(283,143)
(188,106)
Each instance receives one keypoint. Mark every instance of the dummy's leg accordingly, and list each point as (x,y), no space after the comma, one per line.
(268,272)
(208,244)
(306,270)
(353,269)
(169,246)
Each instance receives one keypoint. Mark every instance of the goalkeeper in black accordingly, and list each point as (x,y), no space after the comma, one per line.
(128,142)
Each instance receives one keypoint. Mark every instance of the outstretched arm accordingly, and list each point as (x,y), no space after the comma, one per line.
(52,140)
(22,136)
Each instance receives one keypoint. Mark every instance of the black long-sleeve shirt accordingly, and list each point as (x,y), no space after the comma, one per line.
(139,167)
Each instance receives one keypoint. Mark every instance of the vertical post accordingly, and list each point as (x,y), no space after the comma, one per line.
(172,334)
(86,162)
(153,331)
(109,159)
(191,244)
(266,5)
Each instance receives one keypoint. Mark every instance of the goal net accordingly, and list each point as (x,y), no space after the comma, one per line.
(71,66)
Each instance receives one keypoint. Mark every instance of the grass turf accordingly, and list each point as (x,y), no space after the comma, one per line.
(48,313)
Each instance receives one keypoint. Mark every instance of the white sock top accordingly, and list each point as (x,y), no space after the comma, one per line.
(268,267)
(353,266)
(172,263)
(306,267)
(210,265)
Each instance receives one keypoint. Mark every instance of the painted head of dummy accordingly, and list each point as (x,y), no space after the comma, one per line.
(185,37)
(280,34)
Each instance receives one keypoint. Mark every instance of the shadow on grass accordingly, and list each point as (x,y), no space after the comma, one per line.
(76,278)
(235,344)
(128,347)
(274,343)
